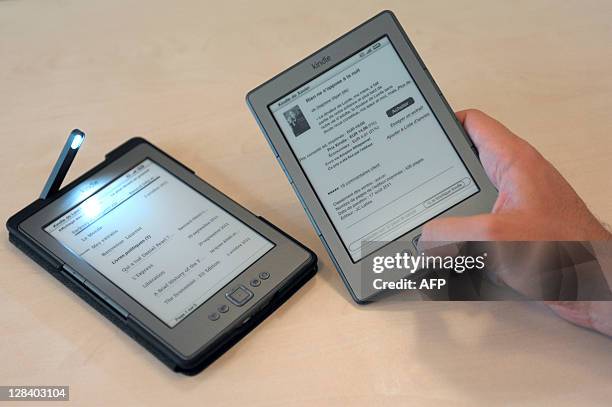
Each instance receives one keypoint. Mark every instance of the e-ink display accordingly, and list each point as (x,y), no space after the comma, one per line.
(372,149)
(166,245)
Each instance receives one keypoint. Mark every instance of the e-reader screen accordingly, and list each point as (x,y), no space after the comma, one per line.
(372,149)
(167,246)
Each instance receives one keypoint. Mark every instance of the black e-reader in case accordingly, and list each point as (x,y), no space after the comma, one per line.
(165,256)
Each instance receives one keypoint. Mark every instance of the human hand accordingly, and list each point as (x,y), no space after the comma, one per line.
(535,203)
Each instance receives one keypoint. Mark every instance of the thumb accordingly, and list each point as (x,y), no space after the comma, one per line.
(456,229)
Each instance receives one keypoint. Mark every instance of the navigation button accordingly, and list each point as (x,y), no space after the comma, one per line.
(239,295)
(415,241)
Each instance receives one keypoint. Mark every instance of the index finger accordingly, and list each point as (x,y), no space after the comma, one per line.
(497,146)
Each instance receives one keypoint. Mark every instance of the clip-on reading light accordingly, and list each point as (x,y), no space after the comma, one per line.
(60,169)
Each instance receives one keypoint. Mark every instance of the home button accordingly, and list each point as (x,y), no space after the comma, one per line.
(239,295)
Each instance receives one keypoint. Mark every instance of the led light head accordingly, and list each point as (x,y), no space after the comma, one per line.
(77,138)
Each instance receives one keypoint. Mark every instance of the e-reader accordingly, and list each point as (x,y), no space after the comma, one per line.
(370,146)
(171,260)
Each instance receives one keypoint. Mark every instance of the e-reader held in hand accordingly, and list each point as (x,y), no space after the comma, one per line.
(167,257)
(370,145)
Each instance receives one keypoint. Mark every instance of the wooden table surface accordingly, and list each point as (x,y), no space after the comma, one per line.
(177,73)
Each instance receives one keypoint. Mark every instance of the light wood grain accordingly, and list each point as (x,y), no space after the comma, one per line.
(177,73)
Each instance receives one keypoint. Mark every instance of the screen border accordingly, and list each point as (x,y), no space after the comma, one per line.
(191,335)
(258,100)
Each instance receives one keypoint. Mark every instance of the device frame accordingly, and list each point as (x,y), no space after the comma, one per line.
(289,263)
(260,99)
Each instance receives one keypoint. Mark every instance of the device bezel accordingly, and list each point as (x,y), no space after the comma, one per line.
(259,100)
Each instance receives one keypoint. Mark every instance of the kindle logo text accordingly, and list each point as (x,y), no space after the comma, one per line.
(318,64)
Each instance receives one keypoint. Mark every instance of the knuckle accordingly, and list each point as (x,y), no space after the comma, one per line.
(527,153)
(491,228)
(474,112)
